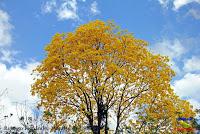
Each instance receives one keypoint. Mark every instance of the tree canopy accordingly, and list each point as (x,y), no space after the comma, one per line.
(101,78)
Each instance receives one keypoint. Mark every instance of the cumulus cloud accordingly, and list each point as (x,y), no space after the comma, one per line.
(17,80)
(70,9)
(5,29)
(94,8)
(192,64)
(171,48)
(195,104)
(65,9)
(164,3)
(188,87)
(194,13)
(49,6)
(175,67)
(6,55)
(177,4)
(180,3)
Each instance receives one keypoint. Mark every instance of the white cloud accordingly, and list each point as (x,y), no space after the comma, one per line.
(172,48)
(177,4)
(6,55)
(188,86)
(164,3)
(180,3)
(192,64)
(49,6)
(67,10)
(195,104)
(175,67)
(5,29)
(194,13)
(17,80)
(94,8)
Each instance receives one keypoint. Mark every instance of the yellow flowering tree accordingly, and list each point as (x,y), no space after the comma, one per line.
(95,73)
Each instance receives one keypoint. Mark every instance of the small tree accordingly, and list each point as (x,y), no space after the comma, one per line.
(96,72)
(31,119)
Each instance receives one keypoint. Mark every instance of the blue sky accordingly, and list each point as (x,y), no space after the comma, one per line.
(33,27)
(172,28)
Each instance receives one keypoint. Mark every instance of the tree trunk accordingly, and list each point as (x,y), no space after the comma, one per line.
(106,124)
(117,127)
(99,120)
